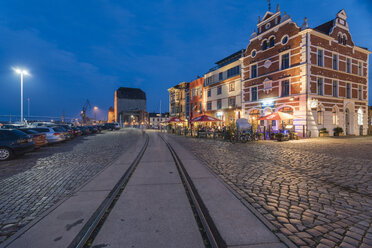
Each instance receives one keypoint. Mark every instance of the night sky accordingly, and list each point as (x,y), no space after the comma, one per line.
(86,49)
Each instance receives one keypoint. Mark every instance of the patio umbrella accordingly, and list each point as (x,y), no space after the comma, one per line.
(277,116)
(205,118)
(175,119)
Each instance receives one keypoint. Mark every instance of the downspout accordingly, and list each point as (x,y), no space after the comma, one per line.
(307,84)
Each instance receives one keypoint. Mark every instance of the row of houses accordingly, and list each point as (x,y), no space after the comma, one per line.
(318,75)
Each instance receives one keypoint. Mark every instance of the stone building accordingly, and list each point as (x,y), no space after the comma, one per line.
(179,100)
(111,115)
(130,106)
(317,74)
(222,89)
(156,119)
(370,120)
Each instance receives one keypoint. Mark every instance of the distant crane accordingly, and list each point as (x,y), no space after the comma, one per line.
(83,113)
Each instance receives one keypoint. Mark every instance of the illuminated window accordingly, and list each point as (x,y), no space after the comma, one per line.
(320,114)
(360,117)
(334,116)
(232,86)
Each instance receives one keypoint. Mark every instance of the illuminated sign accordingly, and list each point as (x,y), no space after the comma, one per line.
(267,103)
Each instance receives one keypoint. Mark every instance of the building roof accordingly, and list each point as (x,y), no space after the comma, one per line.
(325,28)
(231,58)
(131,93)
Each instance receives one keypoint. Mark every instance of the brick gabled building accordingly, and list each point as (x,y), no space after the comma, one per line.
(317,74)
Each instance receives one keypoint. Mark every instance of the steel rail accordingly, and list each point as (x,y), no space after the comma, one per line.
(206,225)
(86,235)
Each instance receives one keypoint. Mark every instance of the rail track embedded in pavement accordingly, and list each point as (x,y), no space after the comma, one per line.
(207,228)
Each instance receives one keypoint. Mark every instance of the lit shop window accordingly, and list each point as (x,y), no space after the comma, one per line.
(320,114)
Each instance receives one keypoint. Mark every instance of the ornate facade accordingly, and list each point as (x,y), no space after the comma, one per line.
(316,74)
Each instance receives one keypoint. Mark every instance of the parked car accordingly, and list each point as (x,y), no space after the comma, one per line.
(85,130)
(117,126)
(14,142)
(68,128)
(38,138)
(77,131)
(109,126)
(52,136)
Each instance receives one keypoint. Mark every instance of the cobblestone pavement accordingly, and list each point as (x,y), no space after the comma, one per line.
(317,192)
(31,184)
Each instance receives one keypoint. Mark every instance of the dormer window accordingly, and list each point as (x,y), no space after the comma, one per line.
(268,25)
(264,45)
(272,42)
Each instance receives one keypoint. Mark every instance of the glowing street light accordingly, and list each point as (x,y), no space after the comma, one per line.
(95,113)
(22,72)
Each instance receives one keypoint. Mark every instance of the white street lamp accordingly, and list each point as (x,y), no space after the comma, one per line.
(22,72)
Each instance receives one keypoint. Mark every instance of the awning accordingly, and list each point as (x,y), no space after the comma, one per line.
(205,118)
(277,116)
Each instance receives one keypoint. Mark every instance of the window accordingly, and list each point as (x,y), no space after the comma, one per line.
(253,71)
(344,40)
(360,68)
(285,88)
(285,61)
(320,86)
(193,92)
(339,38)
(360,117)
(334,116)
(285,40)
(253,54)
(335,62)
(219,104)
(254,94)
(209,93)
(360,94)
(219,90)
(232,102)
(348,90)
(320,58)
(272,42)
(209,105)
(335,89)
(348,65)
(191,107)
(320,116)
(232,86)
(220,76)
(233,71)
(200,106)
(264,45)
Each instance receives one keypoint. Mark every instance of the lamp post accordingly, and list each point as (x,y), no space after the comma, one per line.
(95,113)
(22,72)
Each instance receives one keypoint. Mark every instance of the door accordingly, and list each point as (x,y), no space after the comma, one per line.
(347,122)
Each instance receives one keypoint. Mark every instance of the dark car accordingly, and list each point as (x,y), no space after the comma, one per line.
(77,131)
(38,137)
(109,126)
(69,130)
(85,130)
(14,142)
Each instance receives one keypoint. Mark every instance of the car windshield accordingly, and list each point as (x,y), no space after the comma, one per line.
(58,129)
(42,130)
(18,133)
(28,131)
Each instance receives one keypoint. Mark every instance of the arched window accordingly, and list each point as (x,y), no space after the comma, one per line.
(344,39)
(320,115)
(264,45)
(360,117)
(272,42)
(340,38)
(334,116)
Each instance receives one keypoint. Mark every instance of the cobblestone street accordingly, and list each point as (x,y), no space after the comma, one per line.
(317,192)
(31,184)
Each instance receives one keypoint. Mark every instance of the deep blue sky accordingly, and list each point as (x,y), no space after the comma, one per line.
(78,50)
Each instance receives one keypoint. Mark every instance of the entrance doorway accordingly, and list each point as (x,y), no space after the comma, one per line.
(347,121)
